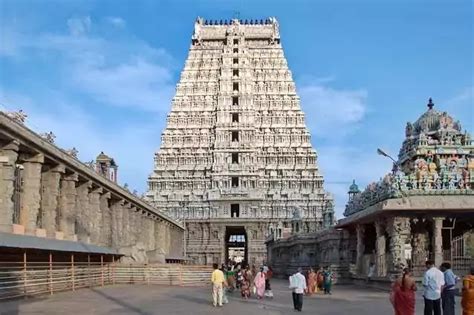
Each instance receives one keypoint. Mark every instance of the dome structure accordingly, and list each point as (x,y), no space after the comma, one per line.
(434,132)
(432,121)
(353,189)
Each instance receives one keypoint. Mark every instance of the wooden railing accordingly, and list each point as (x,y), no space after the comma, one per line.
(22,280)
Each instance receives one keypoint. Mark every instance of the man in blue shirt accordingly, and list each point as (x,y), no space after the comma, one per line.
(449,289)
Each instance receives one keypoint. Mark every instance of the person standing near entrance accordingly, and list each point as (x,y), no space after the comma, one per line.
(217,279)
(432,283)
(298,285)
(449,290)
(259,283)
(328,279)
(467,301)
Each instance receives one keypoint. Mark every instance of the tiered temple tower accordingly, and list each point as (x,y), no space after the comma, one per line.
(235,161)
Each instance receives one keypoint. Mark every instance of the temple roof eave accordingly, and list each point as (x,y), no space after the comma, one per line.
(442,204)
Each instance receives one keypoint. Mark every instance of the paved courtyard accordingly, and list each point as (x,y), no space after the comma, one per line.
(143,299)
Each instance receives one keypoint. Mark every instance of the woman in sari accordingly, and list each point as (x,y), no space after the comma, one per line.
(259,283)
(268,287)
(328,277)
(245,283)
(319,280)
(312,282)
(403,294)
(467,301)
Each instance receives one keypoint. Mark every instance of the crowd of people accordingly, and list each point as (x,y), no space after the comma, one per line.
(439,287)
(239,277)
(439,291)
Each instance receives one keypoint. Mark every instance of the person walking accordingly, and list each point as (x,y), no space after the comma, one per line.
(245,283)
(328,278)
(449,289)
(467,301)
(320,279)
(298,285)
(403,294)
(259,283)
(432,283)
(217,279)
(312,282)
(268,287)
(371,272)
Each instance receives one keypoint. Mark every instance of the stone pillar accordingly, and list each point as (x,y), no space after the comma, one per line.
(67,206)
(95,215)
(399,231)
(106,226)
(83,217)
(360,229)
(151,233)
(159,234)
(8,159)
(437,240)
(31,193)
(380,248)
(126,225)
(117,214)
(50,187)
(135,225)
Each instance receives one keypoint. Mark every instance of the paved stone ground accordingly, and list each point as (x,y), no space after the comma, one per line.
(144,300)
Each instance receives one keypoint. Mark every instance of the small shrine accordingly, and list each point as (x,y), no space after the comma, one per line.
(424,208)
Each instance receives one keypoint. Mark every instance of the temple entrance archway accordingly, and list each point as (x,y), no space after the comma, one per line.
(236,244)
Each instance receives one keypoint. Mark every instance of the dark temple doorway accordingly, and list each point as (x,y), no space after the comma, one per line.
(236,247)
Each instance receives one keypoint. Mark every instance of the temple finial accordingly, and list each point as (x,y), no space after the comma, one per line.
(430,103)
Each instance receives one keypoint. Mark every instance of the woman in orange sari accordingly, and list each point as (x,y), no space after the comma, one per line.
(467,301)
(319,280)
(403,294)
(311,282)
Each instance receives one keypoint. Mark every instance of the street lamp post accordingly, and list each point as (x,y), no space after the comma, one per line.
(395,163)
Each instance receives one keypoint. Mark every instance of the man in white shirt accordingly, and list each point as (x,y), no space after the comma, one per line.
(298,285)
(432,283)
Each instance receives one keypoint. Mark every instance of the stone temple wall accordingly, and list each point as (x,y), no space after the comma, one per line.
(48,193)
(333,248)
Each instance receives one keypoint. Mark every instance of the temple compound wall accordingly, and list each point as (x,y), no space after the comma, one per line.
(235,158)
(334,248)
(422,210)
(48,193)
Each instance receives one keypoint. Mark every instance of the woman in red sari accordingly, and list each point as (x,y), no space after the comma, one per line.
(245,284)
(403,294)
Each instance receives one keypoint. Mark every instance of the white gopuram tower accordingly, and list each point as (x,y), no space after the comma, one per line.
(235,162)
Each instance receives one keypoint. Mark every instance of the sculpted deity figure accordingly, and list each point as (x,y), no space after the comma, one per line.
(409,130)
(19,116)
(73,152)
(48,136)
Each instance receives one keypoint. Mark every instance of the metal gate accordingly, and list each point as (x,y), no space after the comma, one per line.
(460,261)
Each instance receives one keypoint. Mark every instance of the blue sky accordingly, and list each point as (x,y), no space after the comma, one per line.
(100,74)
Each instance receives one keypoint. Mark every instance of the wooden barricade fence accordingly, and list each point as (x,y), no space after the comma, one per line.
(36,278)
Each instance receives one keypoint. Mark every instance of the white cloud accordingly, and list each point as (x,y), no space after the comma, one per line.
(88,70)
(125,72)
(331,112)
(115,21)
(341,164)
(79,26)
(74,127)
(137,83)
